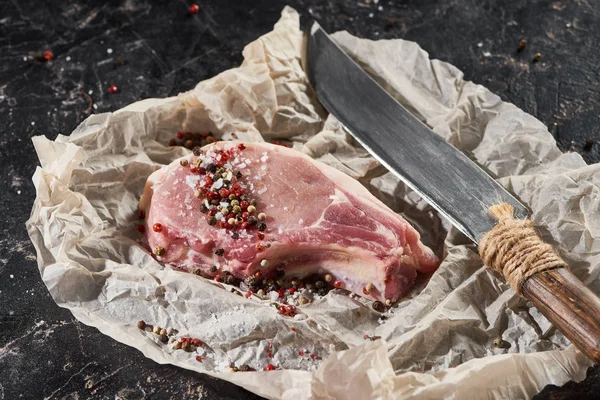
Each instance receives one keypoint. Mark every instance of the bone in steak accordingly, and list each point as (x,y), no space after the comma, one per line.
(261,211)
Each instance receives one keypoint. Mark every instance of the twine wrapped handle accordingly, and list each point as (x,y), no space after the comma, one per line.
(514,248)
(537,273)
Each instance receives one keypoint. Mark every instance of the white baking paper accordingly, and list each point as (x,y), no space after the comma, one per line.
(436,343)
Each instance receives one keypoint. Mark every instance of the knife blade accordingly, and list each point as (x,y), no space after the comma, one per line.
(445,177)
(402,143)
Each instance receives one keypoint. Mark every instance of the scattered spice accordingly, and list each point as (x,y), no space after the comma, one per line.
(141,228)
(388,302)
(522,44)
(156,329)
(183,162)
(199,358)
(177,345)
(141,325)
(141,214)
(338,284)
(194,8)
(48,55)
(369,288)
(378,306)
(164,338)
(262,216)
(159,251)
(220,252)
(186,346)
(269,367)
(112,89)
(157,227)
(537,57)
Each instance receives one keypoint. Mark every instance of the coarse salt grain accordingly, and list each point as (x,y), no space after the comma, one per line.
(192,180)
(218,184)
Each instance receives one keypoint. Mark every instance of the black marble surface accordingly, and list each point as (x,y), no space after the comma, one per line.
(156,49)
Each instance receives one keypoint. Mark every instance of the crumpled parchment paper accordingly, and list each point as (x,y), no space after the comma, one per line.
(437,343)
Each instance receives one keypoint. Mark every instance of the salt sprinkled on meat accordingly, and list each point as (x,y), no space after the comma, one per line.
(192,180)
(292,223)
(217,185)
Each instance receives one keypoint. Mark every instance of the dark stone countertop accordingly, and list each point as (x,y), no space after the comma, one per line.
(158,50)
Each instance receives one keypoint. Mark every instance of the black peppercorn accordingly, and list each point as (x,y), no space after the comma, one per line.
(261,226)
(219,252)
(322,291)
(212,221)
(320,284)
(252,220)
(238,175)
(251,281)
(203,209)
(197,151)
(197,272)
(213,268)
(230,280)
(235,235)
(378,306)
(211,167)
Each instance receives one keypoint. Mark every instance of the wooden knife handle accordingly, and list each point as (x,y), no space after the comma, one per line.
(569,305)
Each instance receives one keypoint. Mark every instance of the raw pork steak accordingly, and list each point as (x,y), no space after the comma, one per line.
(259,211)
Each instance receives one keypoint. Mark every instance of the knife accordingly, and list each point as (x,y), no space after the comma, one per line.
(445,177)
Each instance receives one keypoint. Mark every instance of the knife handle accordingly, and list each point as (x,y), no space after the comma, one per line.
(569,305)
